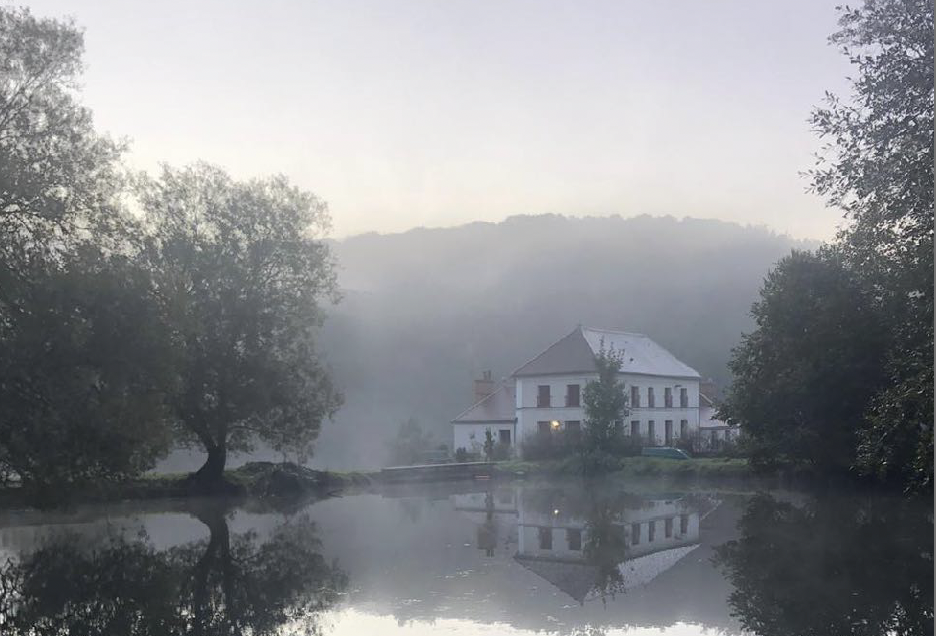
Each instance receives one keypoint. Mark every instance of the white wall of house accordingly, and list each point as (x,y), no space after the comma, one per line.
(529,414)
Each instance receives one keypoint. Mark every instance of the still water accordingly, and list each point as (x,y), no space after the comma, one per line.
(479,558)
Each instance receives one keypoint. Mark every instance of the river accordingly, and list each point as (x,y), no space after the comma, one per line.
(477,558)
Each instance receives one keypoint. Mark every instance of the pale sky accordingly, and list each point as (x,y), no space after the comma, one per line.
(405,113)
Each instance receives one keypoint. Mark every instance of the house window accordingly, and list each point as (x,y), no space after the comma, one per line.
(573,426)
(668,397)
(668,431)
(668,529)
(572,395)
(683,524)
(635,427)
(635,397)
(684,428)
(543,428)
(618,427)
(651,399)
(635,533)
(651,531)
(505,436)
(683,398)
(574,539)
(545,538)
(542,395)
(651,432)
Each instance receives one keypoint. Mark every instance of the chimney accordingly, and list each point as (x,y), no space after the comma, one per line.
(483,386)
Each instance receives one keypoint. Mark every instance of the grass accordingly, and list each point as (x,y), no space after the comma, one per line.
(699,467)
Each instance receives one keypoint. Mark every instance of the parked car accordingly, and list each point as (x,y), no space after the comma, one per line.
(664,451)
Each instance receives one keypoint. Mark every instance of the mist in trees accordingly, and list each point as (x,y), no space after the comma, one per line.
(424,312)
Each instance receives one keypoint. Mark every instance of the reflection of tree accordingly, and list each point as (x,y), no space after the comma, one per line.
(605,544)
(835,566)
(223,585)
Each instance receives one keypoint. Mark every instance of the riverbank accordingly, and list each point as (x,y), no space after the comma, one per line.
(258,480)
(695,468)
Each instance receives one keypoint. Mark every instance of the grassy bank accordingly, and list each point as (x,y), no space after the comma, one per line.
(252,480)
(696,468)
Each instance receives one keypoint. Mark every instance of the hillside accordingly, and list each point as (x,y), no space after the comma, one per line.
(426,310)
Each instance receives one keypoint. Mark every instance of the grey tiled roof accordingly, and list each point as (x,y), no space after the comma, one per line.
(575,353)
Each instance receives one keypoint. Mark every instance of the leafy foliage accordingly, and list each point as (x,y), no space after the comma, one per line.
(877,166)
(84,375)
(240,275)
(805,376)
(84,361)
(58,177)
(605,403)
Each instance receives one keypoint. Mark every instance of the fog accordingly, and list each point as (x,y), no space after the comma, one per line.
(427,310)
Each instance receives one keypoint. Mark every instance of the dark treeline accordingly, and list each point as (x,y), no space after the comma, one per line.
(838,373)
(425,311)
(140,313)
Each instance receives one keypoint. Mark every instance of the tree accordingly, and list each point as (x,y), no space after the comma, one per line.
(84,366)
(878,167)
(240,274)
(605,401)
(869,295)
(85,373)
(806,374)
(410,443)
(58,177)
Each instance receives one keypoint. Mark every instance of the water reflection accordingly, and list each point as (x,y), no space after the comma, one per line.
(225,584)
(832,565)
(477,558)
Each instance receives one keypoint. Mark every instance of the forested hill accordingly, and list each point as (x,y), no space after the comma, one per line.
(426,310)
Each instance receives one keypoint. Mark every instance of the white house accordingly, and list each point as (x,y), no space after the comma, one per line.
(545,394)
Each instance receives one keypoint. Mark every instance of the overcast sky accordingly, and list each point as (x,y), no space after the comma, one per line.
(402,113)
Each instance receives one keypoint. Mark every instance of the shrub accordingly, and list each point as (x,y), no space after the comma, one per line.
(551,445)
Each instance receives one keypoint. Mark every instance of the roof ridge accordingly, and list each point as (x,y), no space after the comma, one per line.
(623,333)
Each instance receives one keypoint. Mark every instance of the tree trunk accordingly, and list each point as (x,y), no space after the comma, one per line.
(213,468)
(210,477)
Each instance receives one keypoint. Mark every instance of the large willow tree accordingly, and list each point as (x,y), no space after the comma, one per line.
(240,273)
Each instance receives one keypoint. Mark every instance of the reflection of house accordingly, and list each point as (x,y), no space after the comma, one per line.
(545,394)
(553,543)
(656,536)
